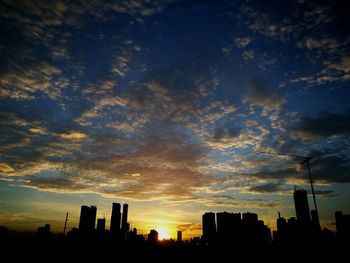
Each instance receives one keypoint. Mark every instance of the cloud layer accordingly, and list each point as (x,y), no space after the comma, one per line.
(174,101)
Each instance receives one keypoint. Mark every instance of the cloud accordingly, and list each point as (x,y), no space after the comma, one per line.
(112,101)
(221,133)
(38,20)
(266,188)
(140,7)
(242,42)
(327,167)
(259,95)
(74,135)
(154,127)
(32,17)
(229,201)
(189,227)
(224,137)
(11,217)
(5,168)
(236,138)
(148,169)
(59,53)
(335,70)
(101,87)
(326,194)
(318,79)
(281,172)
(23,84)
(326,124)
(343,65)
(37,130)
(248,55)
(331,168)
(328,43)
(16,131)
(59,184)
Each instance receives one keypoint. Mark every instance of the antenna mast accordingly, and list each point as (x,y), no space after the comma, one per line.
(306,160)
(65,224)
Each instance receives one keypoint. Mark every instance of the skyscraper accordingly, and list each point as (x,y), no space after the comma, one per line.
(249,218)
(301,206)
(87,218)
(209,227)
(101,224)
(115,219)
(315,220)
(179,236)
(153,236)
(227,223)
(125,225)
(342,223)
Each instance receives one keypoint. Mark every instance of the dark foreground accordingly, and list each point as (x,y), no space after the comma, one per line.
(28,248)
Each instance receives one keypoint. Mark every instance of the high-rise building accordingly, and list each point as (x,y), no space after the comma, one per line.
(228,223)
(101,224)
(153,236)
(342,224)
(87,218)
(301,206)
(315,220)
(208,225)
(282,225)
(125,225)
(115,219)
(179,236)
(250,218)
(43,233)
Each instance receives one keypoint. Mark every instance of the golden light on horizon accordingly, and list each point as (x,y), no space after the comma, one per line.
(163,232)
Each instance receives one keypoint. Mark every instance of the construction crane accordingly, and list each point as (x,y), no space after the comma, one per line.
(305,160)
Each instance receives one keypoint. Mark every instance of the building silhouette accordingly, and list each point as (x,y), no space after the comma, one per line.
(235,230)
(125,225)
(43,233)
(315,220)
(254,232)
(179,236)
(208,226)
(115,219)
(87,219)
(227,222)
(342,223)
(225,235)
(101,225)
(301,206)
(301,231)
(153,236)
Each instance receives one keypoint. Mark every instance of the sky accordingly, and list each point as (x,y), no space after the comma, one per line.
(169,106)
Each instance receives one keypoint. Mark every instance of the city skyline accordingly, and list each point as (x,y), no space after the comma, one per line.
(173,107)
(219,230)
(220,224)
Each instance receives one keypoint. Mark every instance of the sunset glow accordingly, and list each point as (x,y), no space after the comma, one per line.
(174,107)
(163,233)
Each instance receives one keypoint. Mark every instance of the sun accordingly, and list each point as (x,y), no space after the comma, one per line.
(163,233)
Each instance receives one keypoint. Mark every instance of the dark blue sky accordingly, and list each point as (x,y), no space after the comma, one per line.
(171,103)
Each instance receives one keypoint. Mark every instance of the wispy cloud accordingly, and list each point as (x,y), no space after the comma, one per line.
(5,168)
(74,135)
(24,83)
(242,42)
(259,95)
(326,124)
(135,100)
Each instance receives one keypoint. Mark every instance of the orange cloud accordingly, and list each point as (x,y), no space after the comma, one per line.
(74,135)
